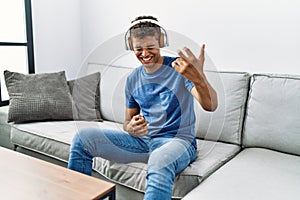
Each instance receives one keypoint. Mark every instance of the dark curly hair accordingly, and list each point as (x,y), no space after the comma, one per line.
(145,28)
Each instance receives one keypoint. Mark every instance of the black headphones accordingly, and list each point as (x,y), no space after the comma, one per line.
(163,40)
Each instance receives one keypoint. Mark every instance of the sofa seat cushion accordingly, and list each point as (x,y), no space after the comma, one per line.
(211,155)
(53,138)
(255,173)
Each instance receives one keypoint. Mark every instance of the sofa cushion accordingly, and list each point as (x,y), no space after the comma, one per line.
(112,89)
(211,155)
(225,124)
(52,138)
(255,173)
(36,97)
(273,116)
(85,93)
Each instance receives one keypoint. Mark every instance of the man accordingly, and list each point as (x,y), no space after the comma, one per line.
(159,119)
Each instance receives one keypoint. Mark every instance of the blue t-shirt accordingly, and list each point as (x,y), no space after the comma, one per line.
(164,99)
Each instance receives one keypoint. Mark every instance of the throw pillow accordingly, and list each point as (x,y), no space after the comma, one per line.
(36,97)
(86,96)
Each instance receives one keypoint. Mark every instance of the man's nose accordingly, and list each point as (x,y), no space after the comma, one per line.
(145,52)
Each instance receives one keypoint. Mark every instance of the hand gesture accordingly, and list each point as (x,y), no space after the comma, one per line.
(190,66)
(138,126)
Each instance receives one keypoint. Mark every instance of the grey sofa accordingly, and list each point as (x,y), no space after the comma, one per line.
(248,148)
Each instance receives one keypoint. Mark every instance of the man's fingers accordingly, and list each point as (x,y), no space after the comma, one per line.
(175,65)
(202,51)
(135,118)
(141,128)
(188,52)
(140,131)
(181,54)
(138,120)
(141,123)
(189,57)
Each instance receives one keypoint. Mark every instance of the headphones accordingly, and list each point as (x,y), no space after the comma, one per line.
(163,40)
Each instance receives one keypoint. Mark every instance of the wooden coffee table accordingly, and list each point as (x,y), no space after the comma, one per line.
(24,177)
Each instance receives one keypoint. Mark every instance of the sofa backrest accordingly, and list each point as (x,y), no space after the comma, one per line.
(273,113)
(224,124)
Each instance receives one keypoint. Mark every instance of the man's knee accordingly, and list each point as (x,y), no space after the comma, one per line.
(161,161)
(76,141)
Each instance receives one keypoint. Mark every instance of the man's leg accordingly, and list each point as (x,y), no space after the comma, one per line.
(171,157)
(113,145)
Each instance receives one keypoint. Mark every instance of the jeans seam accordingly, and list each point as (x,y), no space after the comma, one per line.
(86,151)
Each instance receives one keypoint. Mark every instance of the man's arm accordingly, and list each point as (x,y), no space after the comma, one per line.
(191,68)
(205,95)
(135,124)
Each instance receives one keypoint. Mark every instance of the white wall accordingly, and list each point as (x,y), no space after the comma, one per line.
(57,36)
(240,35)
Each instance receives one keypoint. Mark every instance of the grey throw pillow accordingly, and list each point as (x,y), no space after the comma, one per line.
(85,92)
(36,97)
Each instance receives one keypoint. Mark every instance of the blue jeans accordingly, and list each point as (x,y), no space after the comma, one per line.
(166,157)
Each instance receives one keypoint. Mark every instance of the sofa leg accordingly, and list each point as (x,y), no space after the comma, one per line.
(15,147)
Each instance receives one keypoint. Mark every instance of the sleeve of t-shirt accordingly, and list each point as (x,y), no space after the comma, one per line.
(188,84)
(130,101)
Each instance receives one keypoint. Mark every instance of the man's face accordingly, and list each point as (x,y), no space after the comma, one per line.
(147,50)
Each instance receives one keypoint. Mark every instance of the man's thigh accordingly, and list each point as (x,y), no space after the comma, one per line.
(117,146)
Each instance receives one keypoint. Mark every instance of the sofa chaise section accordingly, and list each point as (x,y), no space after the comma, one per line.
(254,174)
(269,165)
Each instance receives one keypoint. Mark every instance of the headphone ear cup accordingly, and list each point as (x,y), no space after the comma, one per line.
(129,42)
(162,40)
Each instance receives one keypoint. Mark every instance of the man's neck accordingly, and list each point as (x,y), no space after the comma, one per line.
(156,66)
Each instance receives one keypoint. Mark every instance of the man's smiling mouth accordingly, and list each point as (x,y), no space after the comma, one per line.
(147,59)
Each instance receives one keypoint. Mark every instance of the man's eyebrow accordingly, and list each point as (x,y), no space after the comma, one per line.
(138,46)
(147,46)
(150,45)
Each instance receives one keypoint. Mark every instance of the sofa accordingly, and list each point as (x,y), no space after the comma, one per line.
(248,148)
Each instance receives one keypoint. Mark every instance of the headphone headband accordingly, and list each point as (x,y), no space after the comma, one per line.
(144,20)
